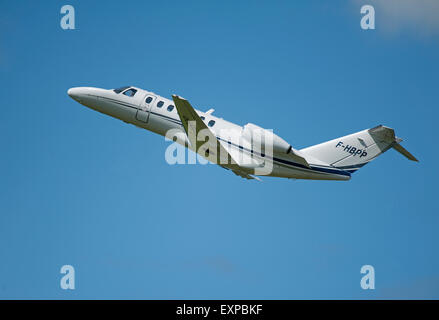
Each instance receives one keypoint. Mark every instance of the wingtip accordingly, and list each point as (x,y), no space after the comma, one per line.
(174,96)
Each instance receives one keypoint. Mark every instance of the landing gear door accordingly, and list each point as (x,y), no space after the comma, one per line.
(145,107)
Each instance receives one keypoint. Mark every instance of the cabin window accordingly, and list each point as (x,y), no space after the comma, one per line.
(148,100)
(170,107)
(130,92)
(160,104)
(119,90)
(211,123)
(202,118)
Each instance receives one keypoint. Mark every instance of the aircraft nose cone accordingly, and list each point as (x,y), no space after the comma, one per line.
(87,96)
(73,93)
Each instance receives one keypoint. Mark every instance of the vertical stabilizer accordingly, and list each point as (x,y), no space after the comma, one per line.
(353,151)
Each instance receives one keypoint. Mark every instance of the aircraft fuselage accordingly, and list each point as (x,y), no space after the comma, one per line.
(158,114)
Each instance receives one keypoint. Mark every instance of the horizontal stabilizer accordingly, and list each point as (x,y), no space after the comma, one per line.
(404,152)
(385,134)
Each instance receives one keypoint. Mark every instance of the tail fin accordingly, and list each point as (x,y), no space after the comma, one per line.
(353,151)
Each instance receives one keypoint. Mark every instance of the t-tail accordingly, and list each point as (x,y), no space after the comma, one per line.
(353,151)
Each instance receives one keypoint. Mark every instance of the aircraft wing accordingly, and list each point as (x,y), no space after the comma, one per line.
(201,138)
(209,147)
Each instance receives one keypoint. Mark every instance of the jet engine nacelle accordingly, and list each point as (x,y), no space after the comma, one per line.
(260,138)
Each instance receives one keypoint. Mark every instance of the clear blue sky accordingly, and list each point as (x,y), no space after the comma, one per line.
(81,188)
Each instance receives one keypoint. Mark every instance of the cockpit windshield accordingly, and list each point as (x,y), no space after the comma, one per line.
(130,93)
(119,90)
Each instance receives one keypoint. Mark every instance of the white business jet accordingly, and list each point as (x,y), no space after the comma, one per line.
(248,151)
